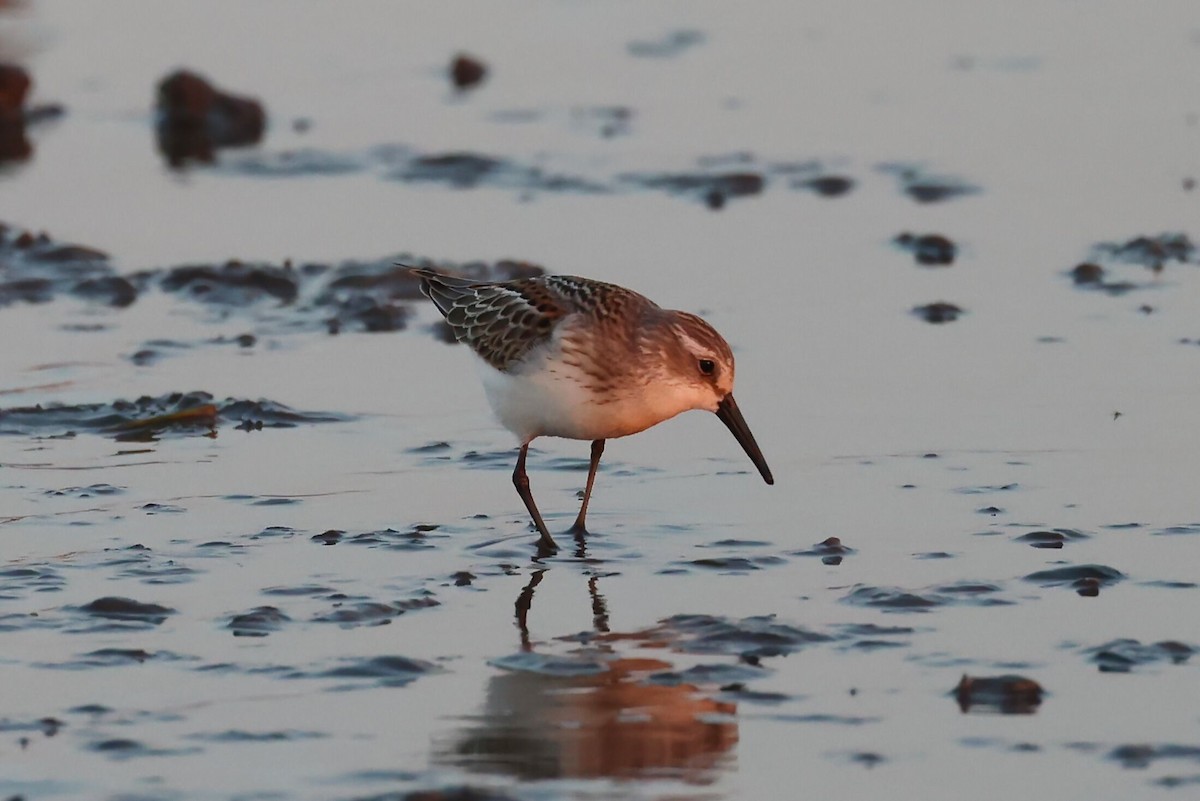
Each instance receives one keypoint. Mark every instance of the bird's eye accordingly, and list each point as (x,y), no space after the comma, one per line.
(707,367)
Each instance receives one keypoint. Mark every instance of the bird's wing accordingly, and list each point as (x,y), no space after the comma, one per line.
(501,322)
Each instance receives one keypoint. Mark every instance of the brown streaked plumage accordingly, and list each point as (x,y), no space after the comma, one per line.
(571,357)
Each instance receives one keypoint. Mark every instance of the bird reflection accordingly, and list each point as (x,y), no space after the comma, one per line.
(614,724)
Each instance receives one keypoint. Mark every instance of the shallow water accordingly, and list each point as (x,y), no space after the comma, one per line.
(343,602)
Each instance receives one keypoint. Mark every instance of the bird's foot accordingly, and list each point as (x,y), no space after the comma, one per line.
(546,546)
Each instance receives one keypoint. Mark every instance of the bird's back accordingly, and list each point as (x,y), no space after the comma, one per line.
(504,322)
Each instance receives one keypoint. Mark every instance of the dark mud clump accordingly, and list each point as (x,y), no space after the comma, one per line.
(114,608)
(148,418)
(467,72)
(669,45)
(1085,578)
(1009,695)
(713,188)
(234,283)
(258,622)
(460,170)
(414,539)
(15,116)
(831,551)
(14,85)
(1089,275)
(1141,756)
(35,268)
(1055,538)
(195,119)
(826,185)
(939,312)
(924,187)
(466,170)
(1151,253)
(47,726)
(374,296)
(1122,656)
(929,250)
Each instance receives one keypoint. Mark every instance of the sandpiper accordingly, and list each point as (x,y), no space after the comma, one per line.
(570,357)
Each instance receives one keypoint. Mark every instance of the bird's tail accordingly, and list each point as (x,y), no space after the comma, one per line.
(443,290)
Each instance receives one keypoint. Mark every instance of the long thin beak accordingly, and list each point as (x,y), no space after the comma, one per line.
(731,416)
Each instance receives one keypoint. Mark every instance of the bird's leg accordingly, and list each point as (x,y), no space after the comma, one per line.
(597,452)
(521,482)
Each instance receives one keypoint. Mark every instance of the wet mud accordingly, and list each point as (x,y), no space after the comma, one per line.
(195,119)
(1117,268)
(928,250)
(18,115)
(467,72)
(310,578)
(147,419)
(353,295)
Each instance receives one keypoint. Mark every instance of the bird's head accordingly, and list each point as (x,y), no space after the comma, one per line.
(701,371)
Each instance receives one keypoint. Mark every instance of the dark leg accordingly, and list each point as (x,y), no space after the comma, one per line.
(521,482)
(597,452)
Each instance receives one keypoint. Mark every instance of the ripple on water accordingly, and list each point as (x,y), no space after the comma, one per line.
(758,636)
(372,613)
(870,636)
(123,748)
(114,657)
(299,590)
(17,582)
(1186,528)
(735,564)
(897,599)
(414,539)
(91,491)
(451,793)
(381,671)
(719,674)
(550,665)
(243,736)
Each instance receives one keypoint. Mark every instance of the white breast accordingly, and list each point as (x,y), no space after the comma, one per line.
(551,398)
